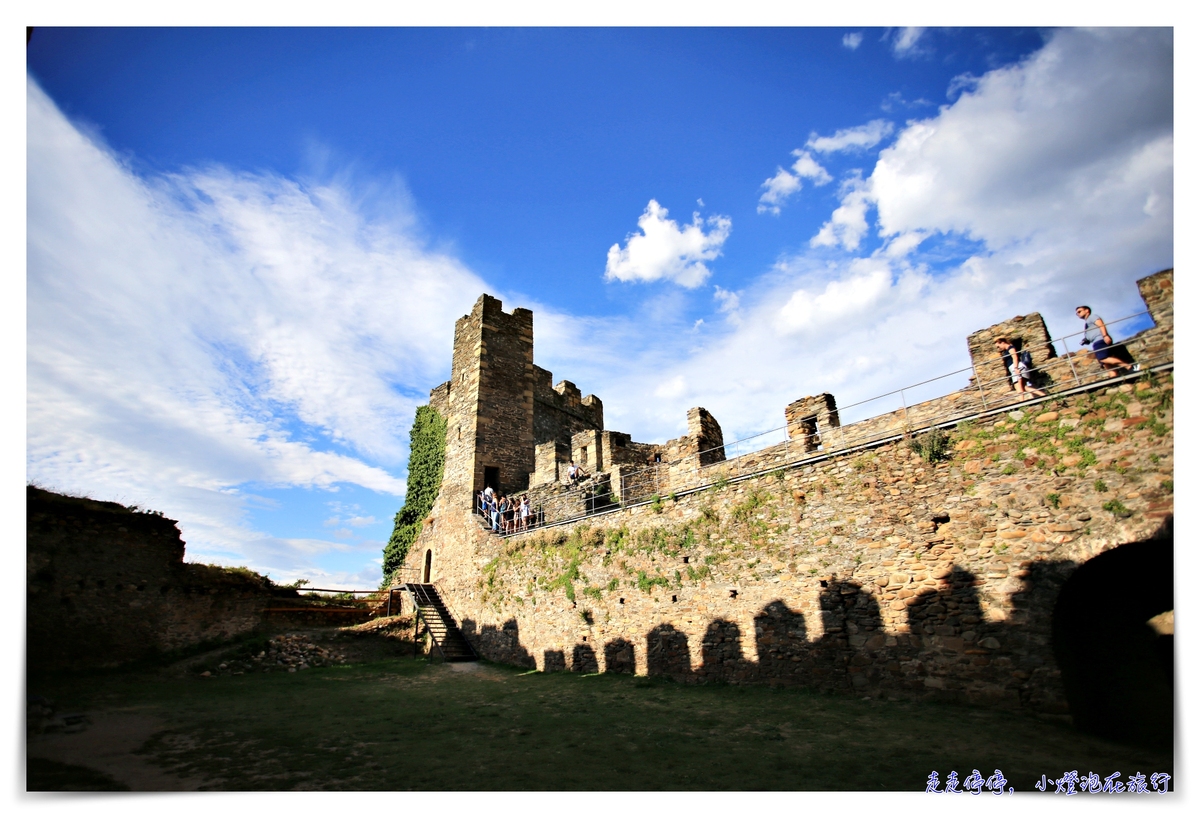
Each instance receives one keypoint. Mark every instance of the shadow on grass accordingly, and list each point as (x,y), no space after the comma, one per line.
(496,727)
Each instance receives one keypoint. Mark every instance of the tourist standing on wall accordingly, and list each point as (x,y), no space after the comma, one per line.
(504,515)
(1019,366)
(1096,334)
(525,512)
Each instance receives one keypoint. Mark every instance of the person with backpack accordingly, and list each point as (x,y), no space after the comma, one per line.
(1020,367)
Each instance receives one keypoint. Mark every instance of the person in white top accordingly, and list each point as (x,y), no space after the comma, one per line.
(575,473)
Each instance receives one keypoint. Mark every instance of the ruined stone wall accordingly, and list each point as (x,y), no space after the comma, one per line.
(808,418)
(559,411)
(550,460)
(105,585)
(813,424)
(1026,332)
(877,573)
(1158,291)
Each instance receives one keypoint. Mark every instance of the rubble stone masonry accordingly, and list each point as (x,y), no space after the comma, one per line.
(876,571)
(881,573)
(106,585)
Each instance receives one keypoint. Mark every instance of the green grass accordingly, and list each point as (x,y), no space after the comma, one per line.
(403,724)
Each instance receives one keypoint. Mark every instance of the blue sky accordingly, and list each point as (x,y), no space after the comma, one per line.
(247,247)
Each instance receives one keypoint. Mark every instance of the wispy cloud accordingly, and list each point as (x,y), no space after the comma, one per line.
(905,41)
(858,138)
(664,250)
(195,334)
(848,223)
(784,184)
(852,40)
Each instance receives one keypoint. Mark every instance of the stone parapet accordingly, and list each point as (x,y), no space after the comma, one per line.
(1026,332)
(808,417)
(880,574)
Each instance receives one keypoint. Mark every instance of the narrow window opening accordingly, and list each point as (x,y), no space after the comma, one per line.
(812,440)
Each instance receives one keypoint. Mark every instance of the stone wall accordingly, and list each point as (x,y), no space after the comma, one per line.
(813,424)
(807,418)
(1026,332)
(878,572)
(106,585)
(859,566)
(560,411)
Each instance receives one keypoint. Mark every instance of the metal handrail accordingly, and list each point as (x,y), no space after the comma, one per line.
(817,457)
(418,617)
(844,446)
(414,588)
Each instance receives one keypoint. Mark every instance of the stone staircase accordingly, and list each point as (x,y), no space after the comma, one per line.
(448,640)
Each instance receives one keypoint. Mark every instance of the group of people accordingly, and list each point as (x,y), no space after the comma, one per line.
(507,515)
(1019,363)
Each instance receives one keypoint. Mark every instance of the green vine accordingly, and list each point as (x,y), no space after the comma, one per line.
(426,461)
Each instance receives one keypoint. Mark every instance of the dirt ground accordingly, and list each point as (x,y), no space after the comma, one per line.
(108,741)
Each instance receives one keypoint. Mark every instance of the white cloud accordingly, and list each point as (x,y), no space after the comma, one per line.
(783,184)
(852,40)
(848,223)
(664,250)
(903,244)
(1075,138)
(726,301)
(1048,185)
(778,189)
(195,334)
(840,300)
(904,44)
(850,139)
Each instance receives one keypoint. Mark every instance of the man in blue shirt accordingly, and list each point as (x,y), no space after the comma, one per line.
(1096,334)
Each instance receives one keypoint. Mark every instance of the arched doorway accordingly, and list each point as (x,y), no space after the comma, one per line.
(1117,664)
(428,565)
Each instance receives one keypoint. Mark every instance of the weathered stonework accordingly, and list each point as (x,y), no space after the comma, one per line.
(1026,332)
(106,585)
(808,417)
(860,568)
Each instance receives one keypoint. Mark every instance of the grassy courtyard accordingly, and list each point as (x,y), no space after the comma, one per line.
(397,723)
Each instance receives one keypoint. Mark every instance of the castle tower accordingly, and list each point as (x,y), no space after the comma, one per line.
(488,402)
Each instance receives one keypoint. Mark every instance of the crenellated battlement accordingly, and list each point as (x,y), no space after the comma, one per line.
(853,556)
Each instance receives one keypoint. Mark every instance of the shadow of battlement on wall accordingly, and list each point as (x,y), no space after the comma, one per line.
(1077,640)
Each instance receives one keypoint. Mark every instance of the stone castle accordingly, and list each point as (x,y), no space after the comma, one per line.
(850,557)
